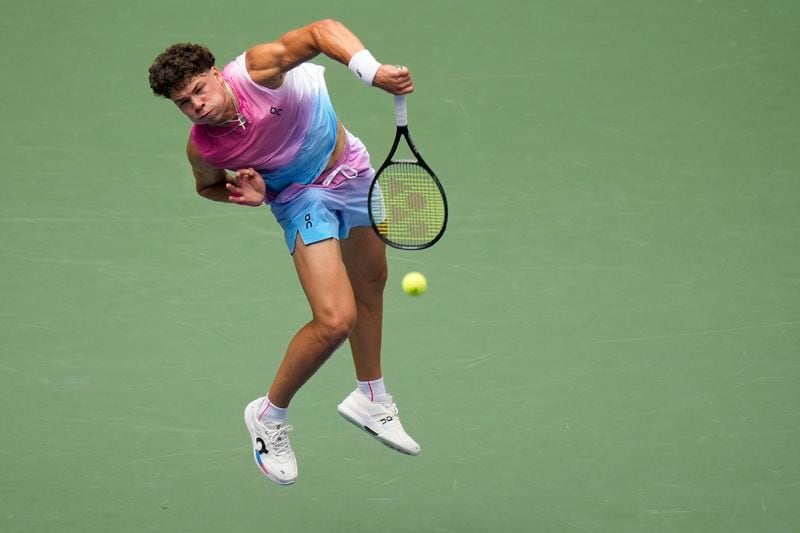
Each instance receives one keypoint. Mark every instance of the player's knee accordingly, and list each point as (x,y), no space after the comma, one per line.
(379,277)
(335,325)
(370,293)
(372,283)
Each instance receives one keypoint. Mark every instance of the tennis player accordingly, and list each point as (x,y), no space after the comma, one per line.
(267,118)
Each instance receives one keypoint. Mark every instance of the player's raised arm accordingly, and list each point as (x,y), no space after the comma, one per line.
(266,63)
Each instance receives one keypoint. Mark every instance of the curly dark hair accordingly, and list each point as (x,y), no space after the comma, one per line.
(177,65)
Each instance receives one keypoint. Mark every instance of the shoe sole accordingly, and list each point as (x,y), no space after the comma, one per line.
(263,469)
(353,418)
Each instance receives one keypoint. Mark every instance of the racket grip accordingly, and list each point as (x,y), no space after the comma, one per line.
(400,113)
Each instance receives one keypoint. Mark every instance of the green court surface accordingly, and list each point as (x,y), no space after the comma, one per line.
(610,340)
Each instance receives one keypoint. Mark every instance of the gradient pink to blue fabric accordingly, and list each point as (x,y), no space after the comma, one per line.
(290,132)
(330,206)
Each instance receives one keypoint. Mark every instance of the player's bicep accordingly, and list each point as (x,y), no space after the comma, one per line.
(266,62)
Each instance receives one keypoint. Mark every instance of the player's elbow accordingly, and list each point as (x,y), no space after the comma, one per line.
(322,27)
(326,23)
(205,192)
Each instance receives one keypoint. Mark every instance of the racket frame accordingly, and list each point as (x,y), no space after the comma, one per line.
(402,132)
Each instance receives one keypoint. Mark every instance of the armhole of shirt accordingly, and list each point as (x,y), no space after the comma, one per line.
(194,131)
(311,70)
(199,138)
(241,63)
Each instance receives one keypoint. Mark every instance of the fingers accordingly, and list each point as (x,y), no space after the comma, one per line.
(236,192)
(246,173)
(403,82)
(395,79)
(243,179)
(406,90)
(242,196)
(405,87)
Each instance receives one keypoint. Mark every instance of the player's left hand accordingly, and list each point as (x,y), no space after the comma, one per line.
(394,79)
(247,188)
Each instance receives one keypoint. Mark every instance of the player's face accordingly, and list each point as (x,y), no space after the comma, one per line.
(204,99)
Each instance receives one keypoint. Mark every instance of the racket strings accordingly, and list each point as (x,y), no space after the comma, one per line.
(409,209)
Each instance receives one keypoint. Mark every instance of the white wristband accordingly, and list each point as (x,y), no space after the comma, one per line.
(364,66)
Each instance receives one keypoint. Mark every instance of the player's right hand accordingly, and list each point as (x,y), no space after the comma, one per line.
(394,79)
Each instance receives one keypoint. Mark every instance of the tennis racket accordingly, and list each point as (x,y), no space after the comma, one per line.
(407,205)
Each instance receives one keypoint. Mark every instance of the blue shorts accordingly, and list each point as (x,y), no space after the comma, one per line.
(330,206)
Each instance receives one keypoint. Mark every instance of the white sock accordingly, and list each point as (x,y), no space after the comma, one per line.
(375,390)
(269,412)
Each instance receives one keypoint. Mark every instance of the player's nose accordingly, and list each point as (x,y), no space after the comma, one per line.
(198,105)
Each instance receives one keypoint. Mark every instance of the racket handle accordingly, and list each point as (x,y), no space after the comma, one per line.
(400,113)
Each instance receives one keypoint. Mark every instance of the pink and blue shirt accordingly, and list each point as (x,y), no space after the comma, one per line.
(289,134)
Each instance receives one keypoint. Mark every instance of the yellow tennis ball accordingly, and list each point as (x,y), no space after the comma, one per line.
(414,283)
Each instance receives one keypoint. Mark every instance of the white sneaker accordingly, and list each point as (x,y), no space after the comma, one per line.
(380,420)
(271,448)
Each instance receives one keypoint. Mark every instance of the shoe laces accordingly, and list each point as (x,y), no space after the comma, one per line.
(390,406)
(278,437)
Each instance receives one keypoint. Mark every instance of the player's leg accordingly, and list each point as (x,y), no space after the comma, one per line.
(324,279)
(364,255)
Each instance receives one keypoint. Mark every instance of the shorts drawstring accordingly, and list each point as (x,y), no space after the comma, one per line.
(345,170)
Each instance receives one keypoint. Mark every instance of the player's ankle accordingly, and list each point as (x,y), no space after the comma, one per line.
(269,412)
(374,390)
